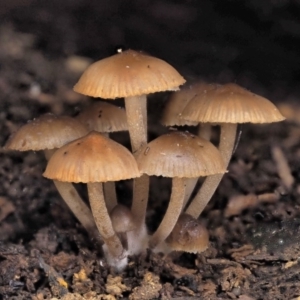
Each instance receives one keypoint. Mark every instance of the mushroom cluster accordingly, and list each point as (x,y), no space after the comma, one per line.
(80,150)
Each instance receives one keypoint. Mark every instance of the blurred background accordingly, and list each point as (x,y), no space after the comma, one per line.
(255,43)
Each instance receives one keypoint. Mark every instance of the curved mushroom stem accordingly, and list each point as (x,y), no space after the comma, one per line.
(136,111)
(172,213)
(77,206)
(204,131)
(103,222)
(209,186)
(79,209)
(190,186)
(109,187)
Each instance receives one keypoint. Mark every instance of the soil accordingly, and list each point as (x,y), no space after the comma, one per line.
(253,219)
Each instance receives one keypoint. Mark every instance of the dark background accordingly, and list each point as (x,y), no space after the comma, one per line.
(255,43)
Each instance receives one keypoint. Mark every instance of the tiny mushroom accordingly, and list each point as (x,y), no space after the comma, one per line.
(48,133)
(227,105)
(105,118)
(94,159)
(123,224)
(131,75)
(188,235)
(178,155)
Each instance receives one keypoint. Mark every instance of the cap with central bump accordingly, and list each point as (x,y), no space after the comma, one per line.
(92,158)
(128,73)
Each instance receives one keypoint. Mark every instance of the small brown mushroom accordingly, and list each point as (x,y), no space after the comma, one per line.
(188,235)
(227,105)
(178,155)
(94,159)
(123,224)
(48,133)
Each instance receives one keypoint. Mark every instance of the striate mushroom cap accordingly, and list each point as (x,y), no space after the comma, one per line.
(178,101)
(180,154)
(126,74)
(93,158)
(188,235)
(46,132)
(230,103)
(104,117)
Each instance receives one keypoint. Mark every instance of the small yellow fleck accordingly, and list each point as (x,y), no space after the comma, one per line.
(80,276)
(62,282)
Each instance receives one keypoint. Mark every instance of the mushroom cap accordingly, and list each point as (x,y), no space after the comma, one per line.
(178,101)
(46,132)
(104,117)
(230,103)
(188,235)
(92,158)
(180,154)
(122,219)
(126,74)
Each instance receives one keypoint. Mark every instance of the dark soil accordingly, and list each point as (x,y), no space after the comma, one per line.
(253,219)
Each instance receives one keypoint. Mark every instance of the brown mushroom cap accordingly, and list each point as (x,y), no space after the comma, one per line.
(104,117)
(178,101)
(230,103)
(188,235)
(126,74)
(122,219)
(180,154)
(93,158)
(46,132)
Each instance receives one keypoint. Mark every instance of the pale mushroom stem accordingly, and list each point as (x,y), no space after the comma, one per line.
(209,186)
(103,221)
(190,186)
(136,111)
(172,214)
(109,188)
(71,197)
(204,131)
(110,194)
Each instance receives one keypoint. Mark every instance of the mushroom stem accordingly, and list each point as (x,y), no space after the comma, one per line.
(109,187)
(103,221)
(71,197)
(77,206)
(140,200)
(136,111)
(172,213)
(110,194)
(209,186)
(190,186)
(204,131)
